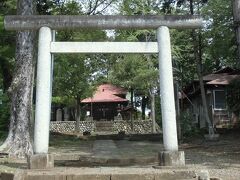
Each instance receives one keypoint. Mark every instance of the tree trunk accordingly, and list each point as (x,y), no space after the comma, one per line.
(176,91)
(73,114)
(131,110)
(78,115)
(153,117)
(204,99)
(236,18)
(18,143)
(198,58)
(143,106)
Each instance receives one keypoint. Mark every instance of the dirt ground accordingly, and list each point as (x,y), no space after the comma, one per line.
(221,158)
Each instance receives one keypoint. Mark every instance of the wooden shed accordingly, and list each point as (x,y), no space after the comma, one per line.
(216,91)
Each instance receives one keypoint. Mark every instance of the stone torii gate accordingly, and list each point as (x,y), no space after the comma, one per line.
(46,47)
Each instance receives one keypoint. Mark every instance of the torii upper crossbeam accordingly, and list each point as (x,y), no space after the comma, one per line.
(61,22)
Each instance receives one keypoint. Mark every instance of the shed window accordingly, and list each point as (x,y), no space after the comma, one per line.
(219,99)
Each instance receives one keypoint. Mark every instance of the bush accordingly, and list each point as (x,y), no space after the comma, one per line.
(86,133)
(121,133)
(187,128)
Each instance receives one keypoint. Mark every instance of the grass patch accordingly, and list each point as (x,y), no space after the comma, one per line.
(59,140)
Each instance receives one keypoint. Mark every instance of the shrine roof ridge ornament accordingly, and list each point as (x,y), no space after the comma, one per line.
(61,22)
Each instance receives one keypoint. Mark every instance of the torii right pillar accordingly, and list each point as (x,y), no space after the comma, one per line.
(170,156)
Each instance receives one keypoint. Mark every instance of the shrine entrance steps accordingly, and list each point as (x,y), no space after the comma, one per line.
(104,126)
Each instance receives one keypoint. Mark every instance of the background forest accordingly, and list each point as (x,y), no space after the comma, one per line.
(195,53)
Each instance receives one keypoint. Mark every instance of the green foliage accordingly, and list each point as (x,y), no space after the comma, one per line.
(75,7)
(7,38)
(71,78)
(216,39)
(183,57)
(7,45)
(158,113)
(139,7)
(219,34)
(8,7)
(61,99)
(7,49)
(49,7)
(133,73)
(68,8)
(187,128)
(4,114)
(233,96)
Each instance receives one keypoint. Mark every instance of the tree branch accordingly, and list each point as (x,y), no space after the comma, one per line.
(93,9)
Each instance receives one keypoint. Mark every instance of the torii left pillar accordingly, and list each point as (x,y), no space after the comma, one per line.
(41,159)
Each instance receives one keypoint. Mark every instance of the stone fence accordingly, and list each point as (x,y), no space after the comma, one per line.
(69,126)
(139,126)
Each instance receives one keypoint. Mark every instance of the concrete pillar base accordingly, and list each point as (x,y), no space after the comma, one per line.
(171,158)
(41,161)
